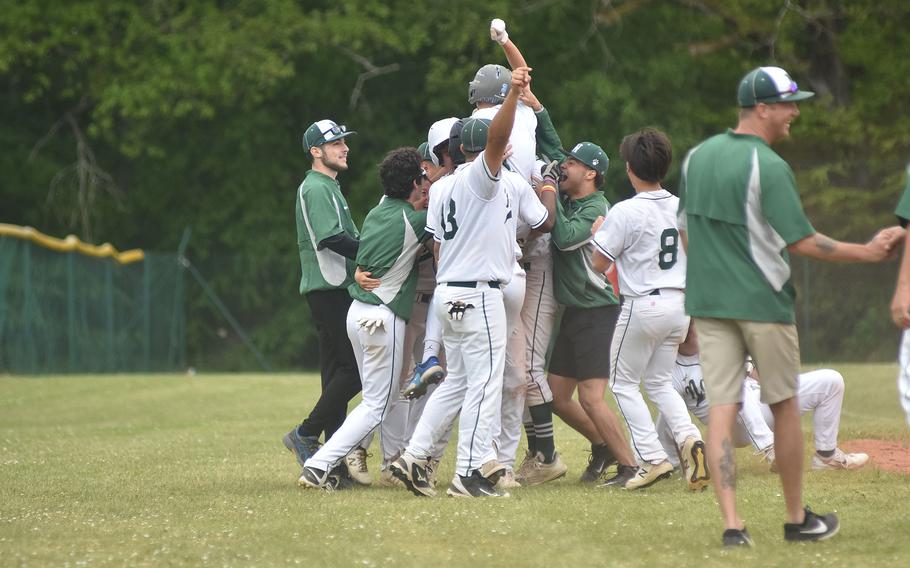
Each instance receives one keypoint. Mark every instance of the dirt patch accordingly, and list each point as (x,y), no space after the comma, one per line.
(890,456)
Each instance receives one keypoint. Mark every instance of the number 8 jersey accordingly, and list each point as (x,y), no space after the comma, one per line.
(470,216)
(641,236)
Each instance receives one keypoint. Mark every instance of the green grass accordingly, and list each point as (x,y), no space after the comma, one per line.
(174,470)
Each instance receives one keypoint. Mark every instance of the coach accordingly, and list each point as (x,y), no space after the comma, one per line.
(741,213)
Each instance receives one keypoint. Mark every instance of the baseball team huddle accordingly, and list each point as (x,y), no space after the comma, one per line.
(494,286)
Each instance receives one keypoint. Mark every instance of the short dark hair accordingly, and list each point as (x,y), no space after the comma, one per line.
(648,153)
(598,179)
(398,170)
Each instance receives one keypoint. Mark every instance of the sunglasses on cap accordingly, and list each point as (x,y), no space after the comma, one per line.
(336,130)
(422,175)
(786,92)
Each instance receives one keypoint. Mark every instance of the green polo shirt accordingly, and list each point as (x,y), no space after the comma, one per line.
(322,212)
(575,281)
(740,208)
(903,206)
(392,235)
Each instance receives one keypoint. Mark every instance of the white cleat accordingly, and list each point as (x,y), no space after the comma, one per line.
(357,466)
(840,460)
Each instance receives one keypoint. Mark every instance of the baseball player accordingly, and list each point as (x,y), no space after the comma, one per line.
(900,304)
(475,250)
(376,321)
(740,211)
(820,392)
(327,240)
(640,236)
(579,359)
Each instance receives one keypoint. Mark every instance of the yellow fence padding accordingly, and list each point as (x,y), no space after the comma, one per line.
(71,244)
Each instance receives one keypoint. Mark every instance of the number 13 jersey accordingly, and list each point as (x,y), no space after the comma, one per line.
(470,216)
(641,236)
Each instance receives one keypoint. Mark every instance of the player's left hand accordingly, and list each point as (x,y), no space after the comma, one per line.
(498,31)
(364,281)
(597,223)
(370,324)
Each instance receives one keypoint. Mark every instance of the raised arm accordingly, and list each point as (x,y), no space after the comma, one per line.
(499,34)
(501,127)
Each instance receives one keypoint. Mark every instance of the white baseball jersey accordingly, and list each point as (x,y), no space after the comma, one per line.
(528,212)
(472,220)
(641,236)
(523,138)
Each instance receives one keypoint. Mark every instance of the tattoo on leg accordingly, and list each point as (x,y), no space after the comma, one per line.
(727,466)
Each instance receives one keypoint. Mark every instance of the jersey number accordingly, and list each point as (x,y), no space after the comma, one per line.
(669,247)
(449,219)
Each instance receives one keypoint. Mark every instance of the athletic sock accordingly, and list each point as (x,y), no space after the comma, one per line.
(531,434)
(825,453)
(542,416)
(430,349)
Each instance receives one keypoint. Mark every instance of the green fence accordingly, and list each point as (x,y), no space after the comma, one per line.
(68,312)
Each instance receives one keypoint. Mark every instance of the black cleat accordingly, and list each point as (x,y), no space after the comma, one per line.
(623,474)
(601,458)
(474,485)
(814,527)
(734,538)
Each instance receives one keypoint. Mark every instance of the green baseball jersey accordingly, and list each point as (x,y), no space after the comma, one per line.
(575,281)
(903,206)
(391,241)
(740,208)
(322,212)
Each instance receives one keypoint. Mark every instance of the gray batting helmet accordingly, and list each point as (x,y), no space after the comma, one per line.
(490,85)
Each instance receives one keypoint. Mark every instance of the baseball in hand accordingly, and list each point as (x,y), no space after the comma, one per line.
(498,31)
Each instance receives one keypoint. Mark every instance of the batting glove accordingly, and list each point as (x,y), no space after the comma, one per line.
(370,324)
(552,172)
(457,309)
(498,31)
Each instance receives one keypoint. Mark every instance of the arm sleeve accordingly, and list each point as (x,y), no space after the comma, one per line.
(548,142)
(435,214)
(681,220)
(903,207)
(341,244)
(781,206)
(530,209)
(570,234)
(323,213)
(610,238)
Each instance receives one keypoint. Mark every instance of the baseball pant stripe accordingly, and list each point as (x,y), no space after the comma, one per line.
(486,322)
(534,336)
(613,378)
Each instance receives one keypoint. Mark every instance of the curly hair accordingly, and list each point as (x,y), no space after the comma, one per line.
(398,170)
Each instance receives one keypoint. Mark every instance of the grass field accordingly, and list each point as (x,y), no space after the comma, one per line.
(173,470)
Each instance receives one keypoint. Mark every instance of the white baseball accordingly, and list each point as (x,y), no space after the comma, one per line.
(498,26)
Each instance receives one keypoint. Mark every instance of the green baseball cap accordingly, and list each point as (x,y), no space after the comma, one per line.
(769,85)
(591,155)
(424,151)
(474,134)
(323,131)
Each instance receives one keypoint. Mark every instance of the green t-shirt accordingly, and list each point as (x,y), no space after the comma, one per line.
(740,208)
(322,212)
(575,281)
(903,206)
(392,235)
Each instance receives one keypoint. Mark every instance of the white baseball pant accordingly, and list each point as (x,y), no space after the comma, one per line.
(903,377)
(822,392)
(538,316)
(751,427)
(475,348)
(379,356)
(645,342)
(507,432)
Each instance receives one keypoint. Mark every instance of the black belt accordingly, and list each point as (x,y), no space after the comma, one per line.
(472,284)
(655,292)
(422,298)
(526,265)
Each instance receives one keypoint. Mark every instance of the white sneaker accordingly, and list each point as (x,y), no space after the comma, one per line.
(840,460)
(492,470)
(539,472)
(649,473)
(432,471)
(357,466)
(387,479)
(527,464)
(694,464)
(507,481)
